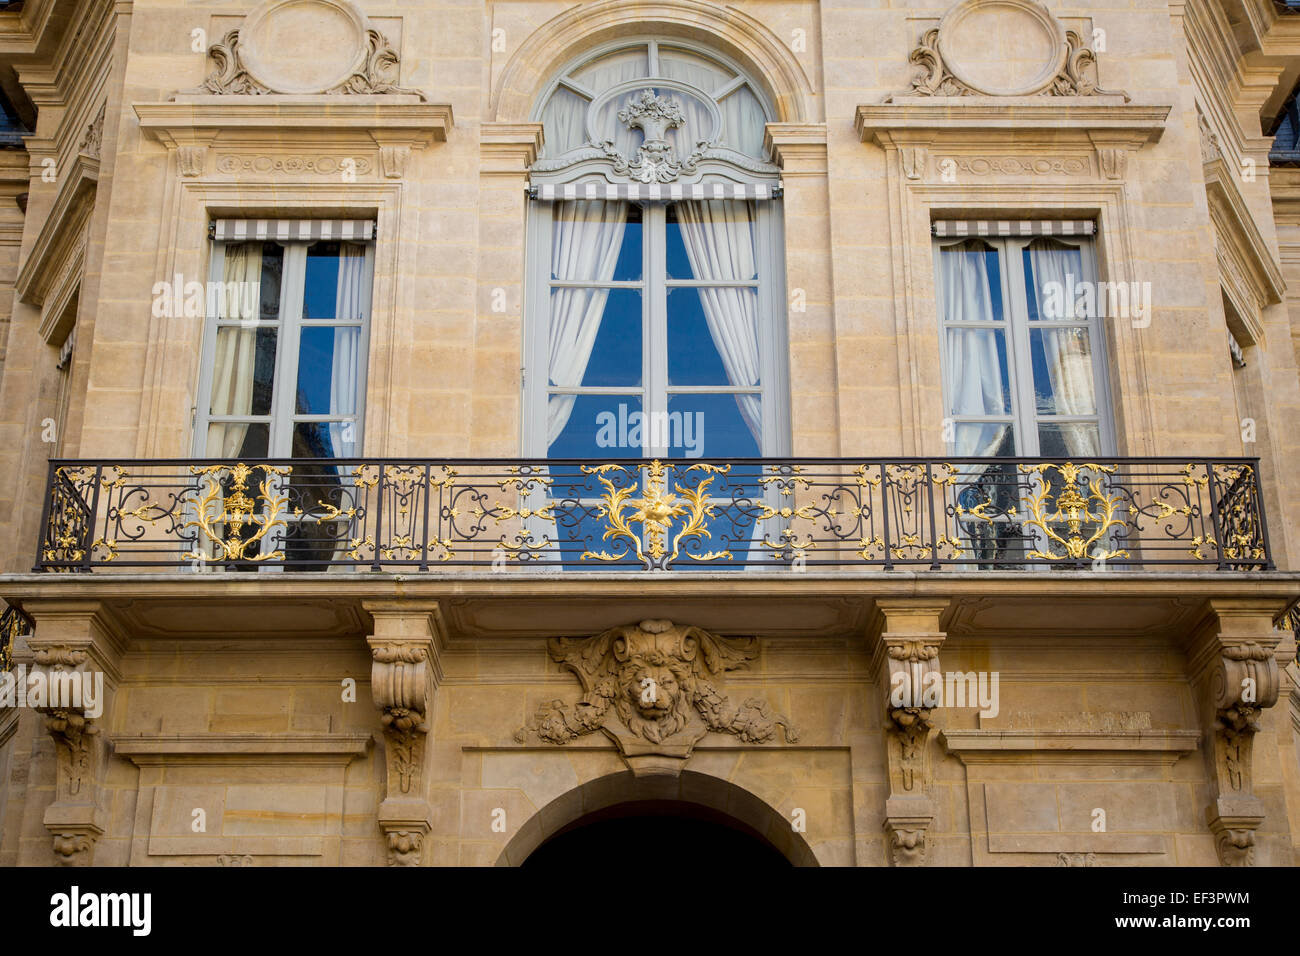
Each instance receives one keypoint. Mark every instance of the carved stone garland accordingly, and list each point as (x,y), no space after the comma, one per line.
(651,688)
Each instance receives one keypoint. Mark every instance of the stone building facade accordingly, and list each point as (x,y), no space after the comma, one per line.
(432,430)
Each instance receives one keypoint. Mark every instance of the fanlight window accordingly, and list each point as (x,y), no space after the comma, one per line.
(654,112)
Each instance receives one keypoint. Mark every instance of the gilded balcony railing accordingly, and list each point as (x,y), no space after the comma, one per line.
(679,514)
(13,623)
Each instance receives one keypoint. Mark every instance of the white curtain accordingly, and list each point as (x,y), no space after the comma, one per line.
(344,376)
(719,238)
(743,119)
(1068,351)
(234,364)
(974,364)
(587,236)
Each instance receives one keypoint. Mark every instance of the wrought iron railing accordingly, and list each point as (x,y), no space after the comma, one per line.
(14,622)
(744,514)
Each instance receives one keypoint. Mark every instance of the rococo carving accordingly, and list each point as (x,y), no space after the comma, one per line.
(652,688)
(399,678)
(934,77)
(231,74)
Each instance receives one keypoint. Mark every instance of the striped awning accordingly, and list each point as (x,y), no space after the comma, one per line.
(290,230)
(959,228)
(669,192)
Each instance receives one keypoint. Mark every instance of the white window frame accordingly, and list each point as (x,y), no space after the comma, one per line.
(1024,417)
(290,325)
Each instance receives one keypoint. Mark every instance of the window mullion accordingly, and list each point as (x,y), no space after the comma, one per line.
(655,310)
(1022,369)
(286,367)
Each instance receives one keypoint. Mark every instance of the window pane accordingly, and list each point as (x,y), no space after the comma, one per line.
(711,239)
(628,266)
(602,73)
(600,427)
(243,371)
(595,337)
(236,441)
(713,337)
(591,241)
(563,122)
(324,440)
(690,67)
(1068,439)
(272,274)
(743,122)
(978,374)
(711,426)
(981,439)
(335,282)
(969,287)
(1055,286)
(1063,371)
(329,364)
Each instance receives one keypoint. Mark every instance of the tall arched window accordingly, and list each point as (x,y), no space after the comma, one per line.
(655,318)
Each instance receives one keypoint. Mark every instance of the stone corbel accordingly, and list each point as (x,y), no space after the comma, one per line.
(1236,670)
(404,674)
(75,645)
(508,149)
(905,659)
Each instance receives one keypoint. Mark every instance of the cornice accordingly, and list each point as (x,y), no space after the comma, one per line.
(389,119)
(798,148)
(1235,225)
(934,118)
(508,149)
(61,232)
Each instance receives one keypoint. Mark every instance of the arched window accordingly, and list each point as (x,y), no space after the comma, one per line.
(655,319)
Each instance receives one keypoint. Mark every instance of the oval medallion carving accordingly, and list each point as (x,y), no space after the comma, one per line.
(1002,47)
(303,46)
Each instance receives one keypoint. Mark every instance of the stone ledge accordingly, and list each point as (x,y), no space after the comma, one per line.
(155,749)
(1026,741)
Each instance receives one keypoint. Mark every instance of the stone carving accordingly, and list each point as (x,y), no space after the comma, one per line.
(235,859)
(1211,148)
(320,165)
(1113,161)
(399,681)
(1235,846)
(654,161)
(93,140)
(651,688)
(1243,680)
(72,848)
(1018,166)
(1064,68)
(907,846)
(72,732)
(246,62)
(913,158)
(405,847)
(1076,859)
(191,160)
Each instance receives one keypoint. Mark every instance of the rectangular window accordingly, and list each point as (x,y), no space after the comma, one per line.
(658,335)
(285,348)
(1023,347)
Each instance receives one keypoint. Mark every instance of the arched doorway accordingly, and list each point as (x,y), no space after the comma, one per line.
(713,837)
(719,821)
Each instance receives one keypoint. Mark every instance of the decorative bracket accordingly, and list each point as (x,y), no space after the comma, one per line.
(1234,663)
(404,675)
(905,658)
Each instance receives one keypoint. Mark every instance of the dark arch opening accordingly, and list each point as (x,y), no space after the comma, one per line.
(711,836)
